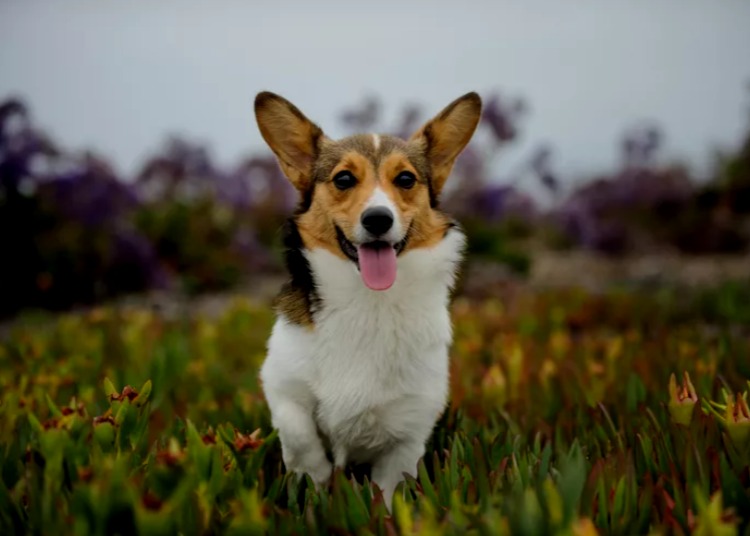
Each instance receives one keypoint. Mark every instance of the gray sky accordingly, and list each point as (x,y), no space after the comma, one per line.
(120,76)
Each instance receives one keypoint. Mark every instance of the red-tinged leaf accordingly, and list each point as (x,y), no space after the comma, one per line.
(104,418)
(503,465)
(85,474)
(51,423)
(243,442)
(129,393)
(390,526)
(169,457)
(151,501)
(669,506)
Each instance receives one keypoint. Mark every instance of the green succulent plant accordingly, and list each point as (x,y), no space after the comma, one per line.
(563,420)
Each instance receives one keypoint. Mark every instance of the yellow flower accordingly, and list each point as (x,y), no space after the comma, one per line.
(494,387)
(737,420)
(682,400)
(584,527)
(712,519)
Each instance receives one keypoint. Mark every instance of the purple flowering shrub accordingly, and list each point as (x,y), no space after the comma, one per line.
(65,235)
(74,233)
(644,206)
(210,228)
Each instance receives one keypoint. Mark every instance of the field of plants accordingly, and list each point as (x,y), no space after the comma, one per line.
(570,413)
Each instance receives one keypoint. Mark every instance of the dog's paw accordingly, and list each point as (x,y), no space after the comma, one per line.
(319,470)
(321,475)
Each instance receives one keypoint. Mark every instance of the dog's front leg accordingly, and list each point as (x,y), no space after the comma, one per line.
(301,447)
(387,471)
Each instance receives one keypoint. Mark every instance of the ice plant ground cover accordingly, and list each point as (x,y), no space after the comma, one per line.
(565,418)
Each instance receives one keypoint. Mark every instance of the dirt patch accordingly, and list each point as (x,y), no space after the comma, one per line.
(595,272)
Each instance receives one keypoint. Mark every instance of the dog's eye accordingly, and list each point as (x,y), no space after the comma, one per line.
(405,180)
(344,180)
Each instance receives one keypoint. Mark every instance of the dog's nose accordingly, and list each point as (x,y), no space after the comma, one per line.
(377,220)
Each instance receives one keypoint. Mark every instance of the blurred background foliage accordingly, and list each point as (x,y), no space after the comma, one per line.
(74,232)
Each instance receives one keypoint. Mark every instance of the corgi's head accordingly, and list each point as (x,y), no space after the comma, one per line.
(368,198)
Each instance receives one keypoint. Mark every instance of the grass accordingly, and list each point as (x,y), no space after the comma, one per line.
(561,421)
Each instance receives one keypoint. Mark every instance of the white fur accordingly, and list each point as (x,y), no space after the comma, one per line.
(372,375)
(380,199)
(376,141)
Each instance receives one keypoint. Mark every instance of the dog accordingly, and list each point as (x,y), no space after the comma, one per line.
(357,360)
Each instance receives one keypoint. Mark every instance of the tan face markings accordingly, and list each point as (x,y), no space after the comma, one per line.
(426,226)
(373,170)
(332,207)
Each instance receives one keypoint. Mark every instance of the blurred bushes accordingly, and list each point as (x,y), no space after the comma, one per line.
(208,228)
(66,235)
(645,206)
(75,233)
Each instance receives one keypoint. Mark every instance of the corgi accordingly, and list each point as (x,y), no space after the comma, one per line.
(357,360)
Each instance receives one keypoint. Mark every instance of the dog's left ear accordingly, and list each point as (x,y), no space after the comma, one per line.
(446,135)
(291,136)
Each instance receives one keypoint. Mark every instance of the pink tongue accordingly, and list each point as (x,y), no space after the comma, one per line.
(377,266)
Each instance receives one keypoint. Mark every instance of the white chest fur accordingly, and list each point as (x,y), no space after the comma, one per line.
(373,373)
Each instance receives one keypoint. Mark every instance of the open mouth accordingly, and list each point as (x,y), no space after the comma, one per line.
(376,260)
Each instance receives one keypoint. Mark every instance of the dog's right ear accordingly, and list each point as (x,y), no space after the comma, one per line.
(446,135)
(291,136)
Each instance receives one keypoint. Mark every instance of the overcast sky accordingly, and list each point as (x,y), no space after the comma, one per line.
(120,76)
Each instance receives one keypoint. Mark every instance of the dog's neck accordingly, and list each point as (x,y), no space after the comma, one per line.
(321,282)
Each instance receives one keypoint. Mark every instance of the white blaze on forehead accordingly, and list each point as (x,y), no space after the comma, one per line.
(376,141)
(380,199)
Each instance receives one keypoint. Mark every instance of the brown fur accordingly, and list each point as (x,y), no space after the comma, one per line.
(295,305)
(372,169)
(292,137)
(445,136)
(310,160)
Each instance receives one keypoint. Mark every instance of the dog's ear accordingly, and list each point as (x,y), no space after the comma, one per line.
(446,135)
(294,139)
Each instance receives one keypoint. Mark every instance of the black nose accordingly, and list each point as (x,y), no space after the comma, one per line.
(377,220)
